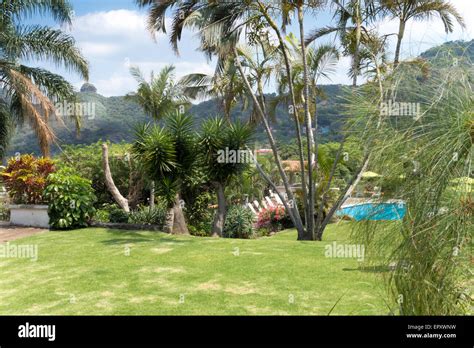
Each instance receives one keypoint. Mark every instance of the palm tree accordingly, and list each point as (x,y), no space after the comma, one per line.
(405,10)
(159,97)
(169,157)
(29,93)
(225,85)
(351,18)
(217,139)
(220,26)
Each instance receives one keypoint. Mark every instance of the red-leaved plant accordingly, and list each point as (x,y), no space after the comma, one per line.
(25,178)
(272,218)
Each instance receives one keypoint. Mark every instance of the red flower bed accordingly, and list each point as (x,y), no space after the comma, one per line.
(272,218)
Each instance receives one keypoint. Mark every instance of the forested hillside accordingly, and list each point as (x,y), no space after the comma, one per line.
(115,117)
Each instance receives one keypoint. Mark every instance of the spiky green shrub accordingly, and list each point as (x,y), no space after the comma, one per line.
(146,215)
(238,223)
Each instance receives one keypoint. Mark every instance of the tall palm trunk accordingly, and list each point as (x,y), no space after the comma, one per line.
(358,24)
(401,33)
(295,112)
(309,235)
(219,219)
(293,210)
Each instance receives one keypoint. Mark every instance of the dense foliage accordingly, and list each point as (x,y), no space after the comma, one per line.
(71,200)
(87,162)
(28,93)
(238,223)
(25,178)
(144,215)
(273,219)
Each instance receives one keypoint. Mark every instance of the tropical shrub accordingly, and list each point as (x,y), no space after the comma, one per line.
(118,215)
(71,200)
(86,160)
(149,216)
(102,215)
(198,214)
(238,223)
(25,178)
(4,212)
(272,218)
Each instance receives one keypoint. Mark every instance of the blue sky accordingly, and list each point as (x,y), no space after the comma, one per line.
(112,35)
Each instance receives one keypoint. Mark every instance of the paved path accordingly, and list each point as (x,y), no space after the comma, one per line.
(9,233)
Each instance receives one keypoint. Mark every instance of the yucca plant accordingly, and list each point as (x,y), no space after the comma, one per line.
(169,156)
(218,138)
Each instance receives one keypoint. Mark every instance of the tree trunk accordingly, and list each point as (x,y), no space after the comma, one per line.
(357,43)
(345,194)
(309,233)
(289,74)
(109,181)
(219,219)
(294,214)
(401,33)
(152,195)
(168,228)
(179,222)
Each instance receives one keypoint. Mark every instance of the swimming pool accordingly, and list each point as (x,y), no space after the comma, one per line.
(374,211)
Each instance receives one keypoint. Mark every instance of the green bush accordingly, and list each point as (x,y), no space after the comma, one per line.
(4,212)
(118,215)
(238,223)
(86,160)
(148,216)
(201,230)
(71,200)
(102,215)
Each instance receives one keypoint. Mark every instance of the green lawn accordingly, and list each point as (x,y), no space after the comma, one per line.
(88,272)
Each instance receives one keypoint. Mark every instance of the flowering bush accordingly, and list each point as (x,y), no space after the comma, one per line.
(25,178)
(272,218)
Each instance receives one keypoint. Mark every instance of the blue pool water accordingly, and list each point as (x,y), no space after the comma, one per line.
(374,211)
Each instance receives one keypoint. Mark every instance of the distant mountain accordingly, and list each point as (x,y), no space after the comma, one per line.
(462,50)
(115,117)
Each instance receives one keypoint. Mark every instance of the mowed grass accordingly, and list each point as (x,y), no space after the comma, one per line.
(111,272)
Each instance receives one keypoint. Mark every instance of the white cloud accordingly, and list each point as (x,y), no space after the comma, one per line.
(115,23)
(95,49)
(113,40)
(110,39)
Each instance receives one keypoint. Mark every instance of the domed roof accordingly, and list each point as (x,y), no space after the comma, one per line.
(88,88)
